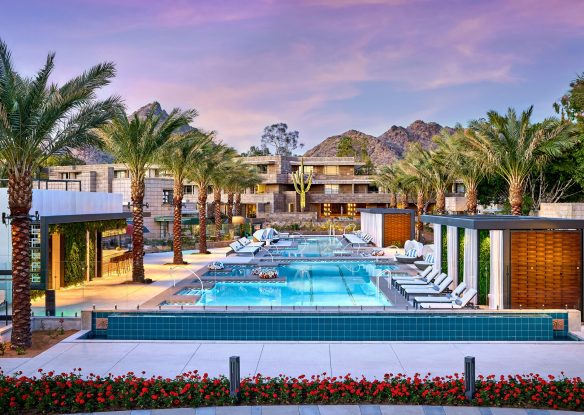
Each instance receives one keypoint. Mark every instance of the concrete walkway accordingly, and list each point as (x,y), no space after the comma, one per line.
(373,360)
(340,410)
(113,290)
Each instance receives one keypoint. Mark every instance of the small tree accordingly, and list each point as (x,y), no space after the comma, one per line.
(283,141)
(345,147)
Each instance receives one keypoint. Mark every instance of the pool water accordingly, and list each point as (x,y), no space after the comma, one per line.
(304,284)
(310,247)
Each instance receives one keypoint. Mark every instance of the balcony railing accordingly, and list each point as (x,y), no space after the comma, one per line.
(51,184)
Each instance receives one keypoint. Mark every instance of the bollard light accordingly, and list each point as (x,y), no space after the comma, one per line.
(469,377)
(234,376)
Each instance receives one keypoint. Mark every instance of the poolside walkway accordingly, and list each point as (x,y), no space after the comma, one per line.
(113,290)
(372,360)
(340,410)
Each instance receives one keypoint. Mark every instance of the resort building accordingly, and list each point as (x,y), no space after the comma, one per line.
(339,188)
(73,238)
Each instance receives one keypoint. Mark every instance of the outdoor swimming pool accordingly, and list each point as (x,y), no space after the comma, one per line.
(298,284)
(309,247)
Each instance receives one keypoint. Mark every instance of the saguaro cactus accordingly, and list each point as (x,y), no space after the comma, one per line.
(302,184)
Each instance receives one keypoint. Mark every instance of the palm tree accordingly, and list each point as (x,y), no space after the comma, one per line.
(176,159)
(136,142)
(39,119)
(240,178)
(454,152)
(201,172)
(439,175)
(219,179)
(414,176)
(386,178)
(514,147)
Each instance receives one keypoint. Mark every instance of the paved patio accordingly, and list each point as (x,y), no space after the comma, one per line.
(340,410)
(168,358)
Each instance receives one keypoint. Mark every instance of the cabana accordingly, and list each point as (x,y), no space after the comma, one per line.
(388,226)
(514,262)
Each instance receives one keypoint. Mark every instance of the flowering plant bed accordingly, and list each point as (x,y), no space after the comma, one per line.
(72,392)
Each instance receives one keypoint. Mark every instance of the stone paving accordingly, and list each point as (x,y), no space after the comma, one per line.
(341,410)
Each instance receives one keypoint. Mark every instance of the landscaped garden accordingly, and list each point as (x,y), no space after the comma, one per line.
(71,392)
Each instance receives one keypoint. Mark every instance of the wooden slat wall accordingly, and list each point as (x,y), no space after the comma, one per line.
(396,228)
(546,269)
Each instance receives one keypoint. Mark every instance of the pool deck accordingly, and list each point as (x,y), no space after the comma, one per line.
(373,360)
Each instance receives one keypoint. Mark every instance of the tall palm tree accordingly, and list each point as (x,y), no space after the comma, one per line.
(249,180)
(514,147)
(219,180)
(201,172)
(176,159)
(136,141)
(386,178)
(454,152)
(240,178)
(39,119)
(439,176)
(414,176)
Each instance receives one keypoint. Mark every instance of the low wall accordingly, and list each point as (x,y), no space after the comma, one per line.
(291,217)
(562,210)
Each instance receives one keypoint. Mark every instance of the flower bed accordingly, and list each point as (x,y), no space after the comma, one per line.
(58,393)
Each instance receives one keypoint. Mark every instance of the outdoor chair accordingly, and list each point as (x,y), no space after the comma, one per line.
(412,280)
(448,298)
(435,289)
(419,284)
(239,249)
(454,304)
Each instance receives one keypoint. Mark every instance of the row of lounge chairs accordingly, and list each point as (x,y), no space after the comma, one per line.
(427,288)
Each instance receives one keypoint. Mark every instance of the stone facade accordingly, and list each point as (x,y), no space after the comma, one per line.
(562,210)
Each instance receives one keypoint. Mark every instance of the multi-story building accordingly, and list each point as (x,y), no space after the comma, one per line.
(340,186)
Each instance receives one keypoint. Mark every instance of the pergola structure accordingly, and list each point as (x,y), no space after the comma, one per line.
(514,262)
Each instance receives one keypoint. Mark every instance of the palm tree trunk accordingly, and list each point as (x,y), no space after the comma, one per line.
(137,196)
(402,200)
(217,213)
(419,211)
(392,200)
(230,207)
(177,222)
(203,220)
(20,203)
(238,204)
(471,200)
(440,201)
(516,197)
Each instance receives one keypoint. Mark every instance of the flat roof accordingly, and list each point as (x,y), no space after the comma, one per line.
(385,211)
(502,222)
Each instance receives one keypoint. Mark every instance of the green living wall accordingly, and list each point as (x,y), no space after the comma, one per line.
(460,255)
(444,243)
(484,279)
(76,246)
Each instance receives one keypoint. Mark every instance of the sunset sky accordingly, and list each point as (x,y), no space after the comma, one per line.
(322,66)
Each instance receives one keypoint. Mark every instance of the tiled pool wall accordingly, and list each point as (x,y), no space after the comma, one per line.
(255,326)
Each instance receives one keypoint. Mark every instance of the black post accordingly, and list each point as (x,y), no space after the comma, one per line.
(50,303)
(234,376)
(469,377)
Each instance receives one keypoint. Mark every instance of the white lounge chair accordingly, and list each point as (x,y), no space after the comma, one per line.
(417,281)
(239,249)
(422,274)
(448,298)
(246,242)
(416,284)
(412,252)
(455,304)
(435,289)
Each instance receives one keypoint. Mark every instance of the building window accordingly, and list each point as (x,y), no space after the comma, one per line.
(459,188)
(351,209)
(331,170)
(120,174)
(331,189)
(189,189)
(260,188)
(262,168)
(326,209)
(290,207)
(167,196)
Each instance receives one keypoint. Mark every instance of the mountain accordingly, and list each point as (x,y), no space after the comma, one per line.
(385,149)
(94,155)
